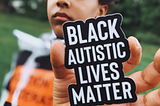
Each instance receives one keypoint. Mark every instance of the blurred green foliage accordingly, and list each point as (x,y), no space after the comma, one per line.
(148,37)
(31,8)
(141,16)
(5,6)
(40,12)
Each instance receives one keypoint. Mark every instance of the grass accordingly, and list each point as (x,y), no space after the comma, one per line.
(8,42)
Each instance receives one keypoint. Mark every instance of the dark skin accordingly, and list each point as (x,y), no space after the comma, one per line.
(144,80)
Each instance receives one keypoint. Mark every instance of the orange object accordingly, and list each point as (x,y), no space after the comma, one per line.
(37,92)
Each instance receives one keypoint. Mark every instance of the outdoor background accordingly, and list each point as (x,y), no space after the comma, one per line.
(141,19)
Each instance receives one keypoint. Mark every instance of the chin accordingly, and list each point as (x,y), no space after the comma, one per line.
(58,32)
(59,35)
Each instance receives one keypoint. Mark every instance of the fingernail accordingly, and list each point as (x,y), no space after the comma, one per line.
(137,44)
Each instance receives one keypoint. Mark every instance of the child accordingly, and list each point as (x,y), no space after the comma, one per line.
(60,11)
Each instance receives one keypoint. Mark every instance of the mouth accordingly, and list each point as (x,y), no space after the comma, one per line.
(62,17)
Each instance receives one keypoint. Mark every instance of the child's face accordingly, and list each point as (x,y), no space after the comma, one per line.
(60,11)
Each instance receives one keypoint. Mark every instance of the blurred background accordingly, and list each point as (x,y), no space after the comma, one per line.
(141,19)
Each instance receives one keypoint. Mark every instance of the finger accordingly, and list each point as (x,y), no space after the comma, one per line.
(149,77)
(139,102)
(63,77)
(57,60)
(136,52)
(152,98)
(124,104)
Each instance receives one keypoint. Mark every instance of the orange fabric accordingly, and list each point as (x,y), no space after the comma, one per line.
(38,91)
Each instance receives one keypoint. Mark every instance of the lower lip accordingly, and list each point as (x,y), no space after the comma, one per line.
(62,18)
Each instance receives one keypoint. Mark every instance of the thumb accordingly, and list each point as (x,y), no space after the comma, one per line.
(57,59)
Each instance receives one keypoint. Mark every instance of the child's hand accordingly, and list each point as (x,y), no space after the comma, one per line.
(145,80)
(63,76)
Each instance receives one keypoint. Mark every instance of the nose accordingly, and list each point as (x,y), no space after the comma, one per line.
(63,3)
